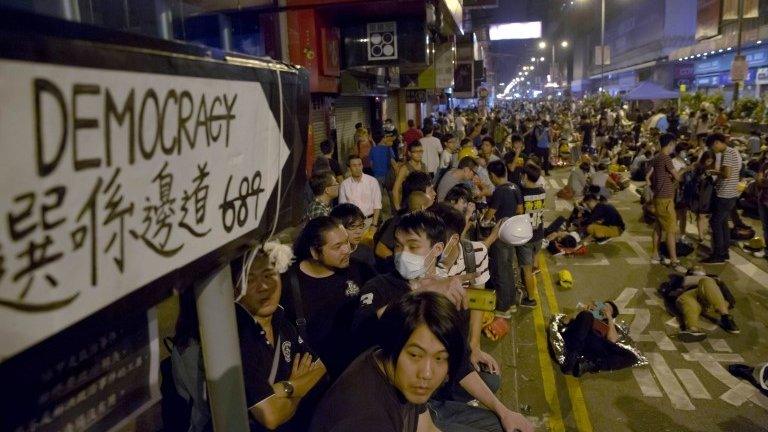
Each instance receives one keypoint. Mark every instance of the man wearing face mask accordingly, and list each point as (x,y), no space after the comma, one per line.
(420,242)
(323,291)
(279,369)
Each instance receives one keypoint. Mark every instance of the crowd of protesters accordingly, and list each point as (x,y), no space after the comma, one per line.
(363,323)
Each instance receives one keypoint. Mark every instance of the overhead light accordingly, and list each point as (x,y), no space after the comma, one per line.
(541,59)
(759,42)
(533,59)
(720,50)
(564,44)
(729,48)
(542,44)
(698,55)
(712,52)
(501,84)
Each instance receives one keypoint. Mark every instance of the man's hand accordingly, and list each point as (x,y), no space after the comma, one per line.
(302,364)
(451,287)
(478,357)
(514,422)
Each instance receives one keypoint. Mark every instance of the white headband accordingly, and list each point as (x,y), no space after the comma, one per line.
(280,257)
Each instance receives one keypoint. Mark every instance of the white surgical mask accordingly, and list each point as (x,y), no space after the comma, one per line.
(409,265)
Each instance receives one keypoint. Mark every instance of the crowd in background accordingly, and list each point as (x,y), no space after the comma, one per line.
(363,323)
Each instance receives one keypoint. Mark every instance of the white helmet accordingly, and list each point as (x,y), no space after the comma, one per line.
(516,230)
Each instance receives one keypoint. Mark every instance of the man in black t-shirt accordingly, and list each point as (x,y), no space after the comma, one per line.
(604,222)
(279,368)
(387,388)
(506,201)
(328,291)
(534,198)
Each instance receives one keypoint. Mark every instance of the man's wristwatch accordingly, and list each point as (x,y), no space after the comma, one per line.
(287,388)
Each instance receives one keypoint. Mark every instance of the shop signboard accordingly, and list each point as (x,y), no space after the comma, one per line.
(761,76)
(382,41)
(463,80)
(415,96)
(722,62)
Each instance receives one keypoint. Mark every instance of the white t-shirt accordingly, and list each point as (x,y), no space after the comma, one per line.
(481,265)
(432,151)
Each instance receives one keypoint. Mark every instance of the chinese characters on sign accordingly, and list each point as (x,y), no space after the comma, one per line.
(113,179)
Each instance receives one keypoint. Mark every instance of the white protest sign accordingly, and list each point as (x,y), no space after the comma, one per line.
(112,179)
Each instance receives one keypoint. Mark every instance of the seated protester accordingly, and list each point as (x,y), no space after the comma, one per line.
(420,240)
(590,341)
(602,179)
(325,189)
(323,291)
(697,293)
(279,369)
(534,198)
(386,389)
(604,221)
(638,167)
(353,220)
(455,262)
(418,201)
(577,181)
(384,239)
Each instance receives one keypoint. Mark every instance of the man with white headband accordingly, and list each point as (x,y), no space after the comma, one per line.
(279,369)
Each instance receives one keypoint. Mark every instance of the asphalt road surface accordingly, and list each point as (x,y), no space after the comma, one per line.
(686,386)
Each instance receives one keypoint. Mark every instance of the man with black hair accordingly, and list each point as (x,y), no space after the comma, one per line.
(433,149)
(463,174)
(353,220)
(325,189)
(662,176)
(726,195)
(414,164)
(324,289)
(382,157)
(387,388)
(604,221)
(590,340)
(421,240)
(514,160)
(361,190)
(269,341)
(412,134)
(326,161)
(506,202)
(534,198)
(384,239)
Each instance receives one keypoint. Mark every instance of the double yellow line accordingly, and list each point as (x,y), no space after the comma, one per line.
(578,404)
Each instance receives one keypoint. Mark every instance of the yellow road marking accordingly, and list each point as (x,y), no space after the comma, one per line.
(578,404)
(547,374)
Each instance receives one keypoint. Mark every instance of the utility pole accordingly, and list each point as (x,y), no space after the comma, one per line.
(737,84)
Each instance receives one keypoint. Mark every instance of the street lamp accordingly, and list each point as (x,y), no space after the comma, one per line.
(542,45)
(564,44)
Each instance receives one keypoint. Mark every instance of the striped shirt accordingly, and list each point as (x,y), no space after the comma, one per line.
(481,265)
(662,181)
(728,187)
